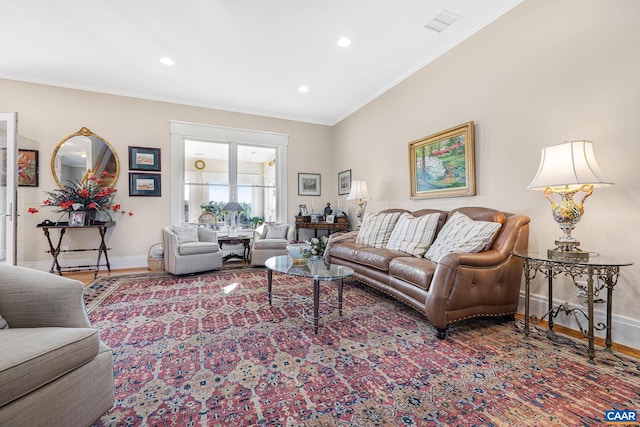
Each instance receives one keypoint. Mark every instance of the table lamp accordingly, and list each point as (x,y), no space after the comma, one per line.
(567,169)
(233,208)
(360,194)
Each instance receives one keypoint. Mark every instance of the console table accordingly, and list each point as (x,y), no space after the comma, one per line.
(331,227)
(597,267)
(102,228)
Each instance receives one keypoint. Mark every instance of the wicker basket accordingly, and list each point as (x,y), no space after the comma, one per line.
(155,264)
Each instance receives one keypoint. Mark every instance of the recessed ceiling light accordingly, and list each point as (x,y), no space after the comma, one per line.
(344,42)
(303,89)
(166,60)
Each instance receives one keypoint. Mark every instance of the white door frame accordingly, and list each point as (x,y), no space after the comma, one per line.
(9,205)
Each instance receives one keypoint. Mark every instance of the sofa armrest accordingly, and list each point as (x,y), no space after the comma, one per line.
(488,258)
(33,299)
(206,235)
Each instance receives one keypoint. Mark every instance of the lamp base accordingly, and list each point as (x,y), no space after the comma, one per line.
(568,251)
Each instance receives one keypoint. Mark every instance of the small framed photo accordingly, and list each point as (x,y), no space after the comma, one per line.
(331,219)
(76,218)
(303,210)
(308,184)
(144,159)
(315,218)
(344,182)
(27,168)
(144,184)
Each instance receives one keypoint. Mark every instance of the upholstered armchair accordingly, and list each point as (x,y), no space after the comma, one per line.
(270,240)
(190,250)
(54,370)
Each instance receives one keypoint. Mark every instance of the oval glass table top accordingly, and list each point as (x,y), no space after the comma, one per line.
(83,154)
(315,268)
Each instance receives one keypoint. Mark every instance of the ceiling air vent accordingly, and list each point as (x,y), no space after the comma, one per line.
(442,21)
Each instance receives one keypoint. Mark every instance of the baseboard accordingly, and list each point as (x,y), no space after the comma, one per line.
(117,263)
(625,330)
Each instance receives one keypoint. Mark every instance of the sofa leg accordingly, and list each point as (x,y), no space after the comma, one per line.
(441,333)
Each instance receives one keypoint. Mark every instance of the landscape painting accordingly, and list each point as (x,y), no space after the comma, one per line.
(442,165)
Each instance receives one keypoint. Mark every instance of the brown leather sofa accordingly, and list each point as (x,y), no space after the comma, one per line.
(460,286)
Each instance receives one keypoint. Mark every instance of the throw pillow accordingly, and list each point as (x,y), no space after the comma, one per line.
(376,228)
(3,323)
(462,234)
(413,235)
(277,231)
(185,234)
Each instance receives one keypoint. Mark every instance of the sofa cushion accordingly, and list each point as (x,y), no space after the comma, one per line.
(3,323)
(270,244)
(376,257)
(33,357)
(345,250)
(195,248)
(185,234)
(417,271)
(276,231)
(413,235)
(463,235)
(376,228)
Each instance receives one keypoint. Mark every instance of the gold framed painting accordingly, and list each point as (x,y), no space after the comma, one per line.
(443,164)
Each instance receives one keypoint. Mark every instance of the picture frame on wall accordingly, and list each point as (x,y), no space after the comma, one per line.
(28,168)
(144,159)
(443,164)
(308,184)
(144,184)
(344,182)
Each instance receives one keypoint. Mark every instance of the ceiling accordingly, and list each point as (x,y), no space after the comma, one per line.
(247,56)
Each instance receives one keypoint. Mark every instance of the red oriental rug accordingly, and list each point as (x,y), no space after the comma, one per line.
(208,350)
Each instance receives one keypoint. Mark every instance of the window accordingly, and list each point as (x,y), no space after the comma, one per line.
(222,164)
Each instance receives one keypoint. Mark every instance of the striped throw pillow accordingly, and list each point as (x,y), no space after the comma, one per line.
(413,235)
(463,235)
(376,228)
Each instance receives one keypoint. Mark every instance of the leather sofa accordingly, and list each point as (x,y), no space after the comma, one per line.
(460,286)
(54,370)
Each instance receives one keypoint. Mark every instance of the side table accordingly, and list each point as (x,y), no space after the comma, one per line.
(597,267)
(237,240)
(55,251)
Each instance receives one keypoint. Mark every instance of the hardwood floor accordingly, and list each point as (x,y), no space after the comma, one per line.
(87,277)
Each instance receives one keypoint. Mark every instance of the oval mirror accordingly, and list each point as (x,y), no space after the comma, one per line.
(83,154)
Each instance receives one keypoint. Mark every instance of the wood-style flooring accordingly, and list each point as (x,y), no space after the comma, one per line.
(87,277)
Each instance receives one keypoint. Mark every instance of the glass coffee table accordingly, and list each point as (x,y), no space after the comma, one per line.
(313,268)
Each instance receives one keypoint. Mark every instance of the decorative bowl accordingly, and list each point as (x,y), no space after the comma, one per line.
(299,251)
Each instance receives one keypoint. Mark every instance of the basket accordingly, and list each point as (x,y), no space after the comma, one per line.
(155,257)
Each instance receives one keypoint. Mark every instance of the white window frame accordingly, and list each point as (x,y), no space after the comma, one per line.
(183,130)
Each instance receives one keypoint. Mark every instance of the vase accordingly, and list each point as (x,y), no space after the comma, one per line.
(90,217)
(298,251)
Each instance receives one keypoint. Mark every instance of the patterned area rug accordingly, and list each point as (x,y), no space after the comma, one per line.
(208,350)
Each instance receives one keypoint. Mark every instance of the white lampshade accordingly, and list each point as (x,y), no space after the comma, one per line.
(568,166)
(358,191)
(232,207)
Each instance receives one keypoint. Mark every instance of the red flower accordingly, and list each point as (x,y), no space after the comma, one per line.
(130,213)
(47,202)
(33,210)
(92,205)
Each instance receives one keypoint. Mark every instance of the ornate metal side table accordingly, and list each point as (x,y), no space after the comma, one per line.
(596,267)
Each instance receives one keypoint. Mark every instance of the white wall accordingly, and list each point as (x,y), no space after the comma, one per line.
(546,72)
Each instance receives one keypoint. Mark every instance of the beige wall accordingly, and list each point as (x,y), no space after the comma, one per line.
(546,72)
(48,114)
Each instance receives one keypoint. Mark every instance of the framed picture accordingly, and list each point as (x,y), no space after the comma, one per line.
(308,184)
(344,182)
(144,184)
(303,210)
(315,218)
(331,219)
(144,159)
(443,164)
(76,218)
(28,168)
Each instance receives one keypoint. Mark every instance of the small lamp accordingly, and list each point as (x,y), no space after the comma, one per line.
(567,169)
(233,208)
(360,194)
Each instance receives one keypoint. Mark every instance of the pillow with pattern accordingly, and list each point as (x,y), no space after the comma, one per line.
(413,235)
(376,228)
(463,235)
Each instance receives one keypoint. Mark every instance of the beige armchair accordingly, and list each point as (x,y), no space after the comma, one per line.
(54,370)
(190,250)
(270,240)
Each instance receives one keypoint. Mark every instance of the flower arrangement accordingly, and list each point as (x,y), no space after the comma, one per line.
(90,195)
(318,245)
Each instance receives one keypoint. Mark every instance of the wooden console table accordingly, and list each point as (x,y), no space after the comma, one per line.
(331,227)
(55,251)
(596,268)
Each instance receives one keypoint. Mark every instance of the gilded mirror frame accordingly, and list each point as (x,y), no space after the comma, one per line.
(84,132)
